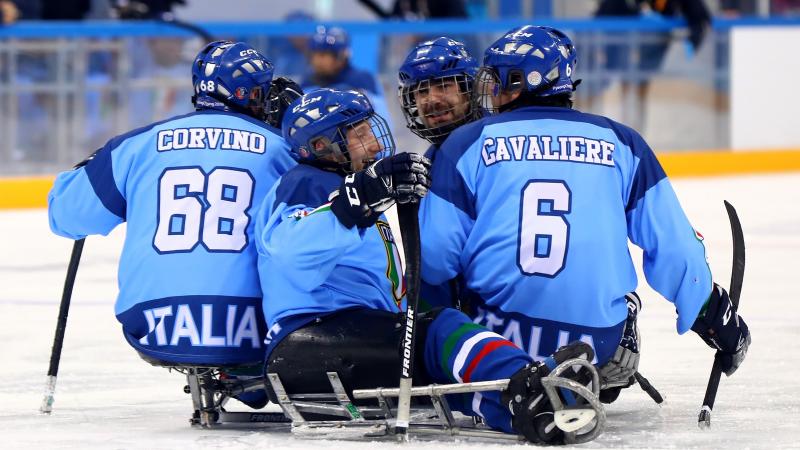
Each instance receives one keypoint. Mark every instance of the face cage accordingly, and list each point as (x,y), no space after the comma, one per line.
(487,90)
(339,149)
(415,117)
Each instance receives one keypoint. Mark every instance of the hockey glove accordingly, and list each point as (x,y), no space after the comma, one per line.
(721,327)
(282,92)
(87,160)
(530,406)
(364,195)
(619,371)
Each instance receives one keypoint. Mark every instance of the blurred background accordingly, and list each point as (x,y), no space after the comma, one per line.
(690,75)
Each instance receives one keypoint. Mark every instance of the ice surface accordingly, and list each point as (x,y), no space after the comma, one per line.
(108,398)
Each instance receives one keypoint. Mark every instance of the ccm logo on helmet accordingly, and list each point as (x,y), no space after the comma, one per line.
(518,34)
(305,102)
(248,52)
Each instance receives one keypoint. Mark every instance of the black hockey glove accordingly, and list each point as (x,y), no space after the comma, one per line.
(724,330)
(529,404)
(364,195)
(282,92)
(619,371)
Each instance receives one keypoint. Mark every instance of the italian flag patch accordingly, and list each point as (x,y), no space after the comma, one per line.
(698,236)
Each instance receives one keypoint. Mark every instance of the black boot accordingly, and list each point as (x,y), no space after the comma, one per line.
(531,407)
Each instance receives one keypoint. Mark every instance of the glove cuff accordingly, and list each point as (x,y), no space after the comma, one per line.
(353,216)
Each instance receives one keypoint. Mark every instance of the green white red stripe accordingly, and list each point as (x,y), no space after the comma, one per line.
(466,348)
(323,208)
(488,348)
(450,344)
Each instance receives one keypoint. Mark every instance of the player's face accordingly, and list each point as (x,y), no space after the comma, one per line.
(326,64)
(362,144)
(440,101)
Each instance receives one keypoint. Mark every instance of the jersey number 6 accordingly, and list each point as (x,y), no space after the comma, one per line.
(196,207)
(543,236)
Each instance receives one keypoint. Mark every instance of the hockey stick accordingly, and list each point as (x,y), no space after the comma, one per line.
(190,27)
(61,327)
(407,215)
(737,275)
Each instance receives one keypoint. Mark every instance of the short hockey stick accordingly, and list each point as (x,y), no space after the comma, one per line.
(737,276)
(407,215)
(61,326)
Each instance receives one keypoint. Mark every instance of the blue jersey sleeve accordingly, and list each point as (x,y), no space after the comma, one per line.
(300,234)
(674,255)
(87,200)
(447,214)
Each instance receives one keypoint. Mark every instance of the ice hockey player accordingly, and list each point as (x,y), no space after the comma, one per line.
(436,81)
(329,53)
(189,189)
(435,86)
(534,205)
(330,269)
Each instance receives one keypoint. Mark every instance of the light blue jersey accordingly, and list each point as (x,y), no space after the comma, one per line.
(311,264)
(189,189)
(535,207)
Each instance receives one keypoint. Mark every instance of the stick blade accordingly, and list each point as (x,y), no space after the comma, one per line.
(737,271)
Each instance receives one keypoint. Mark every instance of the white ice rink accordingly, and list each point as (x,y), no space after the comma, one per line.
(108,398)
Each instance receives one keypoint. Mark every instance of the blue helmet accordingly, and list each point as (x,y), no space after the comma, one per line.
(316,127)
(329,39)
(570,54)
(231,77)
(444,61)
(526,59)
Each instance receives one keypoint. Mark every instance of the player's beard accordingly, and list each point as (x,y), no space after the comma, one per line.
(440,114)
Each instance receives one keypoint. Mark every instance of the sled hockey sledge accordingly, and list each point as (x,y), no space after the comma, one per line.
(336,410)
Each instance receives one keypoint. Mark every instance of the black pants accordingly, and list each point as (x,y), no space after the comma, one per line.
(361,345)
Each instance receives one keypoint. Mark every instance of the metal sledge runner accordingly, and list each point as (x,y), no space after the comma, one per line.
(325,411)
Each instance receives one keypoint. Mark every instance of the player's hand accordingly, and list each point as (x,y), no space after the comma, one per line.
(410,175)
(364,195)
(282,92)
(724,330)
(87,160)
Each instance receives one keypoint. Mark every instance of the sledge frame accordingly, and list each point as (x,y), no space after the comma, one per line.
(210,393)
